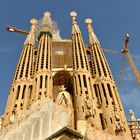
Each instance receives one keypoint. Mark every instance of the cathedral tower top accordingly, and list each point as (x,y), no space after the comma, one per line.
(92,37)
(31,36)
(46,24)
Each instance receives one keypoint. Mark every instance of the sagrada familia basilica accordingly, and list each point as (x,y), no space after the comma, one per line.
(63,89)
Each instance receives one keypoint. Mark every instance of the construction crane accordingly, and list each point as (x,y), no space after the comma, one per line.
(13,29)
(126,54)
(108,50)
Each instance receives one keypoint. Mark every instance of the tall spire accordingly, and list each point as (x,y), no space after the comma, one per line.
(100,66)
(80,60)
(105,88)
(92,37)
(82,79)
(22,85)
(75,27)
(43,65)
(31,36)
(46,24)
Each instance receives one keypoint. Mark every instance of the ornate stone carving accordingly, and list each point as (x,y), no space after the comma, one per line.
(88,107)
(119,126)
(12,117)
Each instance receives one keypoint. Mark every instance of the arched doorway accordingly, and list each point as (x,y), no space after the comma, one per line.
(63,92)
(62,78)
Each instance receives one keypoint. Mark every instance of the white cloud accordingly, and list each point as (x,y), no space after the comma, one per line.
(131,100)
(130,91)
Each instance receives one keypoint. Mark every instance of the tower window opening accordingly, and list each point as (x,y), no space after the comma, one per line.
(107,66)
(28,63)
(117,97)
(18,90)
(23,64)
(102,62)
(99,94)
(111,120)
(97,62)
(110,93)
(91,71)
(95,90)
(75,83)
(84,78)
(23,91)
(102,121)
(46,81)
(15,105)
(79,80)
(30,91)
(83,108)
(90,87)
(41,78)
(105,93)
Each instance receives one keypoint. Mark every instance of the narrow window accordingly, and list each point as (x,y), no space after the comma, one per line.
(46,81)
(18,90)
(110,93)
(95,89)
(15,105)
(109,89)
(79,80)
(102,121)
(30,91)
(41,78)
(23,91)
(105,93)
(84,78)
(111,120)
(99,94)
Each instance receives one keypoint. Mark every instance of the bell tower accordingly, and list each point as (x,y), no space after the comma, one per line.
(22,84)
(43,73)
(83,99)
(112,115)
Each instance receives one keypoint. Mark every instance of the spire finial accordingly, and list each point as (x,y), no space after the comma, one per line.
(73,14)
(47,14)
(89,24)
(88,21)
(33,21)
(46,24)
(31,36)
(90,31)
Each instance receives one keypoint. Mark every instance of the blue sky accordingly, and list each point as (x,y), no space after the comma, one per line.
(111,20)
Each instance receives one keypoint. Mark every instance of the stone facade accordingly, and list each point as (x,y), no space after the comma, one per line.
(69,74)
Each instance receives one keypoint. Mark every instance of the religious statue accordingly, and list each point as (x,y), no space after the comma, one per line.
(88,107)
(135,126)
(119,126)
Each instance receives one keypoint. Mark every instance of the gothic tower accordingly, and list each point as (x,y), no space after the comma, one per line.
(58,87)
(112,115)
(43,73)
(22,84)
(84,101)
